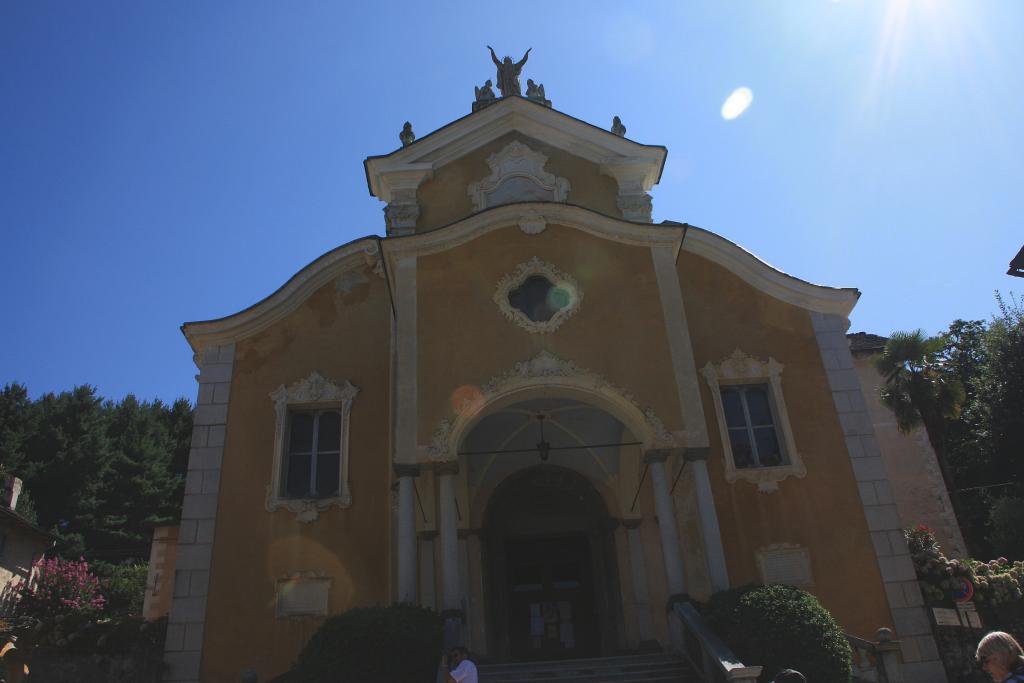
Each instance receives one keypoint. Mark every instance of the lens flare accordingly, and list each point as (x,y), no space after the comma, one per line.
(561,296)
(468,397)
(736,103)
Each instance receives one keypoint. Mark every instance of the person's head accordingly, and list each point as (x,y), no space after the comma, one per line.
(789,676)
(998,654)
(507,60)
(457,654)
(488,83)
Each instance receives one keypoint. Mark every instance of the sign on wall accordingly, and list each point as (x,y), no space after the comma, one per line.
(785,563)
(302,596)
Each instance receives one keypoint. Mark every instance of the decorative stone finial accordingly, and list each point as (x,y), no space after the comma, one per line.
(618,128)
(508,73)
(407,136)
(535,92)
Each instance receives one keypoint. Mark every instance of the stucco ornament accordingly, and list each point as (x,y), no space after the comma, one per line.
(314,391)
(517,175)
(532,223)
(546,369)
(566,285)
(741,368)
(372,255)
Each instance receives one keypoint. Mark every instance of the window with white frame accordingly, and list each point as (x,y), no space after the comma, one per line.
(310,472)
(751,425)
(757,439)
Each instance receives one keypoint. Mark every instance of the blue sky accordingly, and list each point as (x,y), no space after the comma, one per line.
(140,143)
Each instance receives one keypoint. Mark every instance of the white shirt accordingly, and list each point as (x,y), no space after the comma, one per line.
(465,672)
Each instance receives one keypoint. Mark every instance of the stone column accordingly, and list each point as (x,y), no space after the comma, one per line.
(398,189)
(407,474)
(670,550)
(448,528)
(688,388)
(697,458)
(405,423)
(634,180)
(638,575)
(428,591)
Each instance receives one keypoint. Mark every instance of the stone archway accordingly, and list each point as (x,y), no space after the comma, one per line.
(551,579)
(548,376)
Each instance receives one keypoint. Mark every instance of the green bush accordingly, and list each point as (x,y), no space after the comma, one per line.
(124,587)
(397,644)
(780,627)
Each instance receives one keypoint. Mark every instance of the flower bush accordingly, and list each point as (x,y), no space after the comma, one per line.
(996,582)
(59,588)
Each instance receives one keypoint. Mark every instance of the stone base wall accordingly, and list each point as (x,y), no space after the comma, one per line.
(56,666)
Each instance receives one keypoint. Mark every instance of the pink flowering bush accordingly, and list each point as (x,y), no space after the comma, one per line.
(59,588)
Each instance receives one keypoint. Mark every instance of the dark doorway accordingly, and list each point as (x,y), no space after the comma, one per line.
(552,584)
(550,597)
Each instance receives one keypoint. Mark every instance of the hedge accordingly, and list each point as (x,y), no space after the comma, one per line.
(781,627)
(397,644)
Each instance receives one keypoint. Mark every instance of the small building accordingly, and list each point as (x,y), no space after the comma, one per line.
(535,410)
(22,543)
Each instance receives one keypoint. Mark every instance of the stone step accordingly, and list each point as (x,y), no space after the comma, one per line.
(614,660)
(652,668)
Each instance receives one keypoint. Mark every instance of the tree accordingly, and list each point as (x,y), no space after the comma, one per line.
(968,442)
(920,391)
(966,388)
(100,474)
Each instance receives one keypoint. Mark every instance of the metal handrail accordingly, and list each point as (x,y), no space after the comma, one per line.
(709,657)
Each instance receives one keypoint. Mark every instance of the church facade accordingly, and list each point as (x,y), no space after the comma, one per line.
(534,410)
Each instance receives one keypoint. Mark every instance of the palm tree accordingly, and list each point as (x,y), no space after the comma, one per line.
(920,391)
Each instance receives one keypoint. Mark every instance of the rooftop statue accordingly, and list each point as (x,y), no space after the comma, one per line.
(508,73)
(535,92)
(484,96)
(407,136)
(618,128)
(485,93)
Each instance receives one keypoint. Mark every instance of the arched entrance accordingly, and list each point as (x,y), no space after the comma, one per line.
(551,575)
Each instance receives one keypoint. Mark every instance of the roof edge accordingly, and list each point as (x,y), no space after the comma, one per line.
(470,132)
(769,279)
(285,299)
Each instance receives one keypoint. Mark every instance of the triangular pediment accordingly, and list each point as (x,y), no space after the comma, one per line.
(396,177)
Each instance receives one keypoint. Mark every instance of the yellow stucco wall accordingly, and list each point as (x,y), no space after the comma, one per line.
(342,335)
(464,340)
(822,511)
(444,199)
